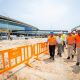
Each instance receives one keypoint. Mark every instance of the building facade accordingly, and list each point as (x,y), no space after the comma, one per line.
(7,23)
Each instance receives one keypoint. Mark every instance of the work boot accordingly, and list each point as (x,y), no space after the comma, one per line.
(57,53)
(50,57)
(72,56)
(68,57)
(53,58)
(77,63)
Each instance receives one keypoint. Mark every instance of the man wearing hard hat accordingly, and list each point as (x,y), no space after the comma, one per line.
(70,45)
(78,47)
(52,43)
(59,44)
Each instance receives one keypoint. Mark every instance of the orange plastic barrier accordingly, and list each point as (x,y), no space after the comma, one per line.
(40,48)
(44,48)
(13,57)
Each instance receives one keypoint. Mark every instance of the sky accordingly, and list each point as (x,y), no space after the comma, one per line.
(43,14)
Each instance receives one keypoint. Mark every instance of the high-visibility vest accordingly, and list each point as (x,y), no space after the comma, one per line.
(52,40)
(70,40)
(74,35)
(77,41)
(63,37)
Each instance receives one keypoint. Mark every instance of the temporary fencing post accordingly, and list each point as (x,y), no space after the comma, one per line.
(27,62)
(46,48)
(36,49)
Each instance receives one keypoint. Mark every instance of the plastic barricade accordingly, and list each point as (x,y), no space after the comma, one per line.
(40,48)
(13,57)
(44,48)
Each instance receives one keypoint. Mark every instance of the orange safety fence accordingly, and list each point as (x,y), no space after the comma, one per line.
(13,57)
(44,48)
(40,48)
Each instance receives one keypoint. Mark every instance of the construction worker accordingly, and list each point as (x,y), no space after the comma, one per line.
(78,47)
(70,45)
(52,43)
(59,44)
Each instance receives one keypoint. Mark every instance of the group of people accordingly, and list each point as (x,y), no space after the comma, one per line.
(71,40)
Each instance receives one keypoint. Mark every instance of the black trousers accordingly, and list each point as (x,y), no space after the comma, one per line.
(52,50)
(75,47)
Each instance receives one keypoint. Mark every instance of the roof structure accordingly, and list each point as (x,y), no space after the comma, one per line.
(16,21)
(76,28)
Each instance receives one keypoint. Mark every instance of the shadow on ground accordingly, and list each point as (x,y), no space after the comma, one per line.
(68,60)
(76,69)
(47,61)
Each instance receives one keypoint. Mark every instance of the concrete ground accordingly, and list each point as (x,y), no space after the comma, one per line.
(46,69)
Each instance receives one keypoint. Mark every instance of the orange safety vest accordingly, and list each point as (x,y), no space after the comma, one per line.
(77,41)
(70,40)
(52,40)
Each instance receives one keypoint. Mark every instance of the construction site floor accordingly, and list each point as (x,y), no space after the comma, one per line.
(47,69)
